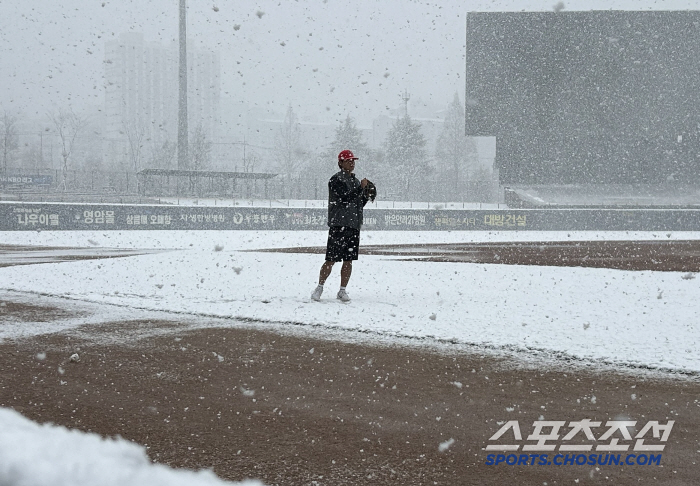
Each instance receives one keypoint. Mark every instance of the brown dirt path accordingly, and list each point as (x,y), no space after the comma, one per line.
(294,410)
(667,256)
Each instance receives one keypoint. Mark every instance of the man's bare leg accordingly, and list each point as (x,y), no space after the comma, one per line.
(345,273)
(325,272)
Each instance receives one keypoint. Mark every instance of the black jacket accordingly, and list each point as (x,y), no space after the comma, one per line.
(346,200)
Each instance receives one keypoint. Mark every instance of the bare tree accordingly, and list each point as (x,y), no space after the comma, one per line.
(31,156)
(290,155)
(162,156)
(135,133)
(10,139)
(250,161)
(68,125)
(200,149)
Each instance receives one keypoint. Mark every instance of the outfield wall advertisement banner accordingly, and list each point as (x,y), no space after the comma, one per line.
(26,180)
(63,217)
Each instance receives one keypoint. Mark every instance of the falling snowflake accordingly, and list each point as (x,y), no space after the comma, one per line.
(445,445)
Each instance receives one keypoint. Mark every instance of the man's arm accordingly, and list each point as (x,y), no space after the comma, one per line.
(338,188)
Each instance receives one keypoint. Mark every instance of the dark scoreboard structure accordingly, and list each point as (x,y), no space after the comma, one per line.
(587,97)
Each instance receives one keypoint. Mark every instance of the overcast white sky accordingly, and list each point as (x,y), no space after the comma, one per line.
(327,58)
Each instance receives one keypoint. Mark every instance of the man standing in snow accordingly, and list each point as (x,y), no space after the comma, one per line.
(347,197)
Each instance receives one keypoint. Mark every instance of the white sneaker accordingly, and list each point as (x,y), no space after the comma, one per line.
(343,295)
(317,293)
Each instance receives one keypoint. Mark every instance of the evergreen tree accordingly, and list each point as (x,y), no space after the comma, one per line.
(406,162)
(348,137)
(454,152)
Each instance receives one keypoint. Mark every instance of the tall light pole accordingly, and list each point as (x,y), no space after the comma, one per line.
(405,99)
(182,143)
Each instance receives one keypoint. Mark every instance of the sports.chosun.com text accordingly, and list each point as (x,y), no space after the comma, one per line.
(574,459)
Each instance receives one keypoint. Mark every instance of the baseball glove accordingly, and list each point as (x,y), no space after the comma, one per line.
(370,191)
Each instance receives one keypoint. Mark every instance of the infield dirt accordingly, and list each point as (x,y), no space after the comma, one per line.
(294,408)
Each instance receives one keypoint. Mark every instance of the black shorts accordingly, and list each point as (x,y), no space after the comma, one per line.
(343,244)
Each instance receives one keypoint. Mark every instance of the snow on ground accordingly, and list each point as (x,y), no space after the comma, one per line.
(620,317)
(48,455)
(633,318)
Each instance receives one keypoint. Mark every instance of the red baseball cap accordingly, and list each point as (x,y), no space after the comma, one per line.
(346,155)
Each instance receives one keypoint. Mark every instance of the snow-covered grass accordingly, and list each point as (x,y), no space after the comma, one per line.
(645,319)
(642,319)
